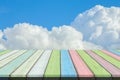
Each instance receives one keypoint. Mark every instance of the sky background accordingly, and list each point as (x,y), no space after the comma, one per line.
(59,24)
(47,13)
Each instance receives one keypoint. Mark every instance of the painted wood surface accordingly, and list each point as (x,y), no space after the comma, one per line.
(67,67)
(114,71)
(40,66)
(27,65)
(53,67)
(115,52)
(4,52)
(11,58)
(111,54)
(96,68)
(10,67)
(8,54)
(118,50)
(110,59)
(82,69)
(59,63)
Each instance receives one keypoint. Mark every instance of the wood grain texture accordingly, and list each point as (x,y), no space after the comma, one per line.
(115,72)
(10,67)
(111,54)
(11,58)
(4,52)
(27,65)
(39,68)
(96,68)
(67,67)
(110,59)
(53,67)
(81,67)
(115,52)
(8,54)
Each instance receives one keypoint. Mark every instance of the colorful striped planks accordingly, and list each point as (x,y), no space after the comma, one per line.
(8,54)
(118,50)
(10,67)
(108,58)
(4,52)
(25,67)
(53,67)
(40,66)
(67,67)
(115,52)
(111,54)
(96,68)
(81,68)
(10,58)
(109,67)
(59,63)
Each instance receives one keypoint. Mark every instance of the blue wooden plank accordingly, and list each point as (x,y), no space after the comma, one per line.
(67,67)
(115,52)
(10,67)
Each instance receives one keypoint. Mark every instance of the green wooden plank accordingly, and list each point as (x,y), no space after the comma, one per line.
(108,58)
(53,68)
(4,52)
(118,50)
(96,68)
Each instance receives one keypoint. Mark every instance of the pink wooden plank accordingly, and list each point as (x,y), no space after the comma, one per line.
(81,67)
(108,66)
(111,54)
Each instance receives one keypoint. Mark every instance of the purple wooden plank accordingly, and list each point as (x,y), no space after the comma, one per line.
(111,54)
(109,67)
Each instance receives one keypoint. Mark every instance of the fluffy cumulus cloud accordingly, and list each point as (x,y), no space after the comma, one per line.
(96,27)
(1,40)
(100,25)
(27,36)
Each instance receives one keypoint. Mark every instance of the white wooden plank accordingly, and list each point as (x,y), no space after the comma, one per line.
(27,65)
(8,54)
(10,58)
(40,66)
(13,65)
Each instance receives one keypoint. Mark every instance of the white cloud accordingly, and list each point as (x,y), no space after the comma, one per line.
(1,40)
(27,36)
(100,25)
(96,27)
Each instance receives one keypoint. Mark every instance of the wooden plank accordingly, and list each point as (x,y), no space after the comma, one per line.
(81,68)
(94,66)
(67,67)
(109,67)
(40,66)
(111,54)
(53,68)
(108,58)
(10,67)
(118,50)
(10,58)
(27,65)
(8,54)
(4,52)
(115,52)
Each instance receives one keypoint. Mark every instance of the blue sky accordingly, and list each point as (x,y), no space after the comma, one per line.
(98,27)
(47,13)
